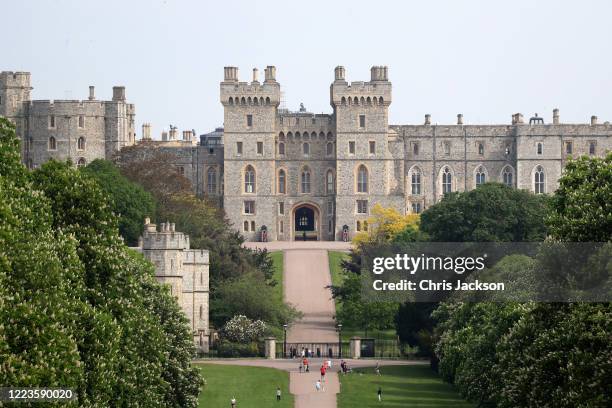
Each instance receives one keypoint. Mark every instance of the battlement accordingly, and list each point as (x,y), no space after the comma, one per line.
(17,79)
(166,238)
(253,93)
(196,256)
(375,92)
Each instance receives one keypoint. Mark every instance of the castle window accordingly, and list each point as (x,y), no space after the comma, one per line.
(249,207)
(415,148)
(416,182)
(568,147)
(246,226)
(282,182)
(306,149)
(358,226)
(181,170)
(351,147)
(52,143)
(372,147)
(416,208)
(591,148)
(249,120)
(238,148)
(249,180)
(362,179)
(231,100)
(539,148)
(281,208)
(81,162)
(362,121)
(329,149)
(81,121)
(211,181)
(281,149)
(259,147)
(330,226)
(52,121)
(281,228)
(538,180)
(362,206)
(253,226)
(447,148)
(507,176)
(343,101)
(268,100)
(330,208)
(306,180)
(201,311)
(330,182)
(480,149)
(480,176)
(447,181)
(211,151)
(81,143)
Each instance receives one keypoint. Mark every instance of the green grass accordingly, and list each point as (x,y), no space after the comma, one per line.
(253,387)
(277,260)
(335,266)
(402,386)
(349,332)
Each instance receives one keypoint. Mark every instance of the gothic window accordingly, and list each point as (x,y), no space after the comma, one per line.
(343,101)
(52,143)
(81,162)
(249,207)
(329,150)
(447,181)
(253,226)
(282,182)
(539,148)
(538,180)
(52,121)
(591,148)
(568,147)
(281,149)
(281,208)
(358,226)
(306,180)
(507,176)
(362,179)
(211,181)
(231,100)
(416,208)
(480,149)
(480,176)
(259,147)
(330,182)
(416,182)
(246,226)
(415,148)
(81,121)
(249,179)
(81,143)
(362,206)
(306,149)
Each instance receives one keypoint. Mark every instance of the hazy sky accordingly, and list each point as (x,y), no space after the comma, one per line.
(485,59)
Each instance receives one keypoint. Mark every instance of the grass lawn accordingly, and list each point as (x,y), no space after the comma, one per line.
(402,386)
(335,266)
(277,259)
(253,387)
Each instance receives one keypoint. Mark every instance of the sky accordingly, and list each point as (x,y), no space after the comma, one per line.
(484,59)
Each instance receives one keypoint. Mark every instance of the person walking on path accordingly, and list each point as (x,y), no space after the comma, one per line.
(379,394)
(377,369)
(323,369)
(278,393)
(318,385)
(233,401)
(305,362)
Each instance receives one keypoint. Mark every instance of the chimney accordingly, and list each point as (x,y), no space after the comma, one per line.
(92,93)
(164,136)
(517,119)
(339,73)
(460,119)
(270,73)
(230,74)
(119,93)
(187,135)
(255,75)
(146,131)
(593,120)
(555,116)
(173,133)
(428,119)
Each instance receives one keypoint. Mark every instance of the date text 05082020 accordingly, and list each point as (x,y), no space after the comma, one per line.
(29,394)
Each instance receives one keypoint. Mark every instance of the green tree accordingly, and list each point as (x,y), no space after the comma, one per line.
(490,213)
(128,200)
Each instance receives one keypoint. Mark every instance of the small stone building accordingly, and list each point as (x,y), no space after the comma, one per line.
(184,270)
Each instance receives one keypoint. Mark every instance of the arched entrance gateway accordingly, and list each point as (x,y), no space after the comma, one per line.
(306,222)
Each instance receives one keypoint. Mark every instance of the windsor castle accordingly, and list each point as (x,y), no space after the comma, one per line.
(283,175)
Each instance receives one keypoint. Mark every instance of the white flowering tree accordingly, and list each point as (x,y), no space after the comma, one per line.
(241,329)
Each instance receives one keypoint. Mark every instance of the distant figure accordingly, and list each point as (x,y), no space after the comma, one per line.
(318,385)
(323,369)
(305,362)
(379,394)
(377,369)
(233,401)
(278,394)
(301,367)
(329,363)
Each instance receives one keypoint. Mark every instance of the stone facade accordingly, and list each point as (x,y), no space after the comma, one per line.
(79,130)
(184,270)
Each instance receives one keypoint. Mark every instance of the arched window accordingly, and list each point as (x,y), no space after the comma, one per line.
(358,225)
(81,162)
(305,180)
(380,100)
(52,143)
(243,101)
(211,181)
(507,176)
(329,150)
(480,176)
(362,179)
(246,226)
(415,181)
(355,101)
(540,148)
(447,181)
(231,100)
(282,182)
(306,148)
(330,182)
(249,179)
(369,101)
(281,148)
(268,100)
(343,101)
(81,143)
(538,180)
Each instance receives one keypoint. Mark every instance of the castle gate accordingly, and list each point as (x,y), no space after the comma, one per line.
(306,222)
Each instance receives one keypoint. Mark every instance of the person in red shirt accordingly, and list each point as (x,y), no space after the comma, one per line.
(323,369)
(305,362)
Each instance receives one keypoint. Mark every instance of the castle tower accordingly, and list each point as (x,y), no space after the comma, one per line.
(363,158)
(120,122)
(250,111)
(14,95)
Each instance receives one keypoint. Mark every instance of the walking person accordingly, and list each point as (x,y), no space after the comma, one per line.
(233,401)
(305,362)
(323,370)
(379,394)
(318,385)
(377,369)
(278,393)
